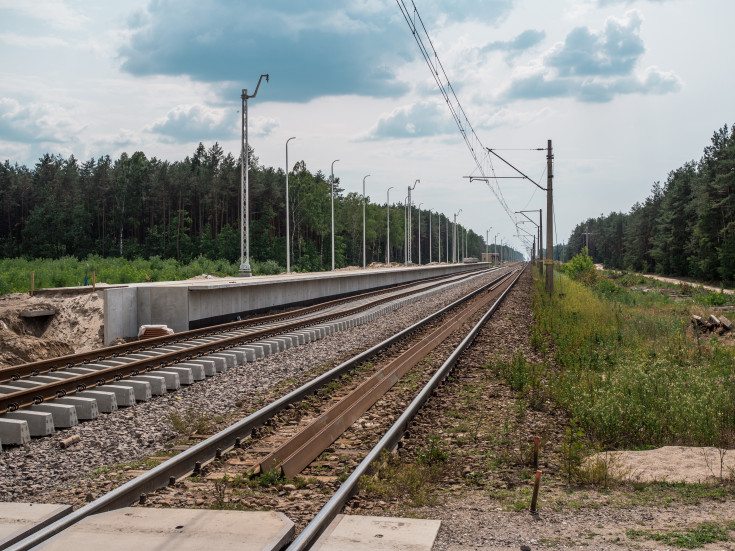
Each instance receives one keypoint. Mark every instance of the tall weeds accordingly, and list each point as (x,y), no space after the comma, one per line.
(630,374)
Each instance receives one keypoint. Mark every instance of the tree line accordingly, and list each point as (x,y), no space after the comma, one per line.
(685,227)
(136,206)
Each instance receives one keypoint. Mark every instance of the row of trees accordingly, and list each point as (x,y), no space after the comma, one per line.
(685,227)
(140,207)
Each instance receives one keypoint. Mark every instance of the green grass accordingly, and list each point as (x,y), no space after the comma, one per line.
(691,538)
(15,273)
(630,373)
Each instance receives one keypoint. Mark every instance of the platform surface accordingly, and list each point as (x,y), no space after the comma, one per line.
(148,529)
(359,533)
(16,518)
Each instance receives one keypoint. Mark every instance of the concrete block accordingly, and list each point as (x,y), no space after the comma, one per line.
(209,366)
(19,520)
(158,384)
(268,348)
(277,345)
(64,416)
(86,408)
(106,399)
(141,389)
(230,360)
(184,374)
(248,354)
(171,380)
(258,349)
(240,358)
(40,423)
(14,431)
(124,395)
(197,370)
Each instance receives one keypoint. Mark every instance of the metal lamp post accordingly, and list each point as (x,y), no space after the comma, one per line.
(408,225)
(333,212)
(288,227)
(364,265)
(387,233)
(245,270)
(454,237)
(495,248)
(420,233)
(487,243)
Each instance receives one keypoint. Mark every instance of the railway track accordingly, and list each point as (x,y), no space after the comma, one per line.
(44,396)
(242,445)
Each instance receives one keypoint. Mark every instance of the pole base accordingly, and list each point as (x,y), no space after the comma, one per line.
(245,270)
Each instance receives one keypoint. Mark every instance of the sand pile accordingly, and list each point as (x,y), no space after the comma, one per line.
(76,326)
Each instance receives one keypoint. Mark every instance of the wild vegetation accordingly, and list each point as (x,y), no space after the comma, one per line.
(140,207)
(631,370)
(686,227)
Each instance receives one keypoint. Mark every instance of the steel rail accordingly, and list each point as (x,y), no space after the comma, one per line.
(11,373)
(390,440)
(186,462)
(26,397)
(292,456)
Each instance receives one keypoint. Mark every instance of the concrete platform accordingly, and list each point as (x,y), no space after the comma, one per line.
(358,533)
(183,305)
(148,529)
(16,519)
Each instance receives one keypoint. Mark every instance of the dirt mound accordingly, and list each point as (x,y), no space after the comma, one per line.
(76,325)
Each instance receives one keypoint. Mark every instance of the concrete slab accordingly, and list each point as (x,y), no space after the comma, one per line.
(209,366)
(229,359)
(158,384)
(197,371)
(40,423)
(148,529)
(142,389)
(64,415)
(248,353)
(86,408)
(124,395)
(14,432)
(276,345)
(358,533)
(183,373)
(18,520)
(256,348)
(106,399)
(171,380)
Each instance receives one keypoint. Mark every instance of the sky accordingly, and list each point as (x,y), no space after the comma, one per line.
(627,90)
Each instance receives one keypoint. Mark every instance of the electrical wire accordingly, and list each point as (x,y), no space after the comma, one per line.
(469,135)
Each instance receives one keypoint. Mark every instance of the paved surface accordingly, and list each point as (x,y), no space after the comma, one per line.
(143,529)
(16,518)
(358,533)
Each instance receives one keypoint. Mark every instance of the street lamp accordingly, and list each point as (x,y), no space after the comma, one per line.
(454,236)
(364,265)
(408,225)
(495,248)
(245,270)
(333,212)
(387,233)
(420,233)
(487,243)
(288,230)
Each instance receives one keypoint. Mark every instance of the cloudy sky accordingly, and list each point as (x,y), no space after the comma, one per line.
(626,89)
